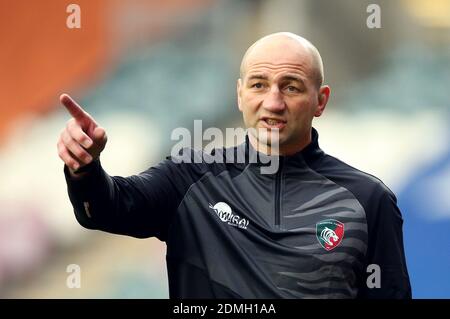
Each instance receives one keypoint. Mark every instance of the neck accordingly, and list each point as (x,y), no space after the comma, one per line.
(282,150)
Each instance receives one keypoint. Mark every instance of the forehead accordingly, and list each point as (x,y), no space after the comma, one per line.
(277,58)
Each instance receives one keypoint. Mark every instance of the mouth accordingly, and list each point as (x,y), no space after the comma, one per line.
(273,123)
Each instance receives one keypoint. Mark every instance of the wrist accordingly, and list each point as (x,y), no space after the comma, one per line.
(84,169)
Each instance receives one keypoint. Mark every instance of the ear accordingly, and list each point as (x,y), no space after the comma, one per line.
(239,92)
(324,95)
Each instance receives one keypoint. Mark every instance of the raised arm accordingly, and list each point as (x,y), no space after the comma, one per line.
(138,205)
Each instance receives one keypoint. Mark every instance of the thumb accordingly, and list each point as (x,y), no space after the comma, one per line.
(99,136)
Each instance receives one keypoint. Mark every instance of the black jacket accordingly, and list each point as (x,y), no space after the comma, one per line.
(310,230)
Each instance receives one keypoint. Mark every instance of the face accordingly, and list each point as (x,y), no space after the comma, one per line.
(278,91)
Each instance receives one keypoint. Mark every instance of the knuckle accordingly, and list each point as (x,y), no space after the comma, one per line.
(76,134)
(71,143)
(65,137)
(70,129)
(80,137)
(60,149)
(64,157)
(72,125)
(77,152)
(65,141)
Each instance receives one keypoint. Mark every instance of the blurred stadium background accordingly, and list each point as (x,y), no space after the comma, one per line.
(143,68)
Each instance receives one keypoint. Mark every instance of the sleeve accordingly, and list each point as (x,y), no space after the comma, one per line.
(385,249)
(140,205)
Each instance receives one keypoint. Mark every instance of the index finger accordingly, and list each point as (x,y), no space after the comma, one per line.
(73,107)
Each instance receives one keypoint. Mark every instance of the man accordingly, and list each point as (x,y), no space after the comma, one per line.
(316,228)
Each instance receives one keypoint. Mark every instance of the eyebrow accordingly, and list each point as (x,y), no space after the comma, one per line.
(292,78)
(258,77)
(284,78)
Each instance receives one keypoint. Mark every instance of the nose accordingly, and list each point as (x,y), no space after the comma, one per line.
(274,101)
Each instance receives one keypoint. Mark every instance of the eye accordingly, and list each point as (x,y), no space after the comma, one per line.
(291,88)
(257,85)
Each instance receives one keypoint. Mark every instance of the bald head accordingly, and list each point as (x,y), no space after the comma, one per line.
(285,45)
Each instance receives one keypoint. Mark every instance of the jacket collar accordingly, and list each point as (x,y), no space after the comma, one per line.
(309,154)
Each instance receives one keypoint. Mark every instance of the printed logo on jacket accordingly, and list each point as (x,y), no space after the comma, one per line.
(330,232)
(226,215)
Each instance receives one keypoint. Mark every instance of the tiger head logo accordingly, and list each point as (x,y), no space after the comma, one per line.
(329,236)
(330,233)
